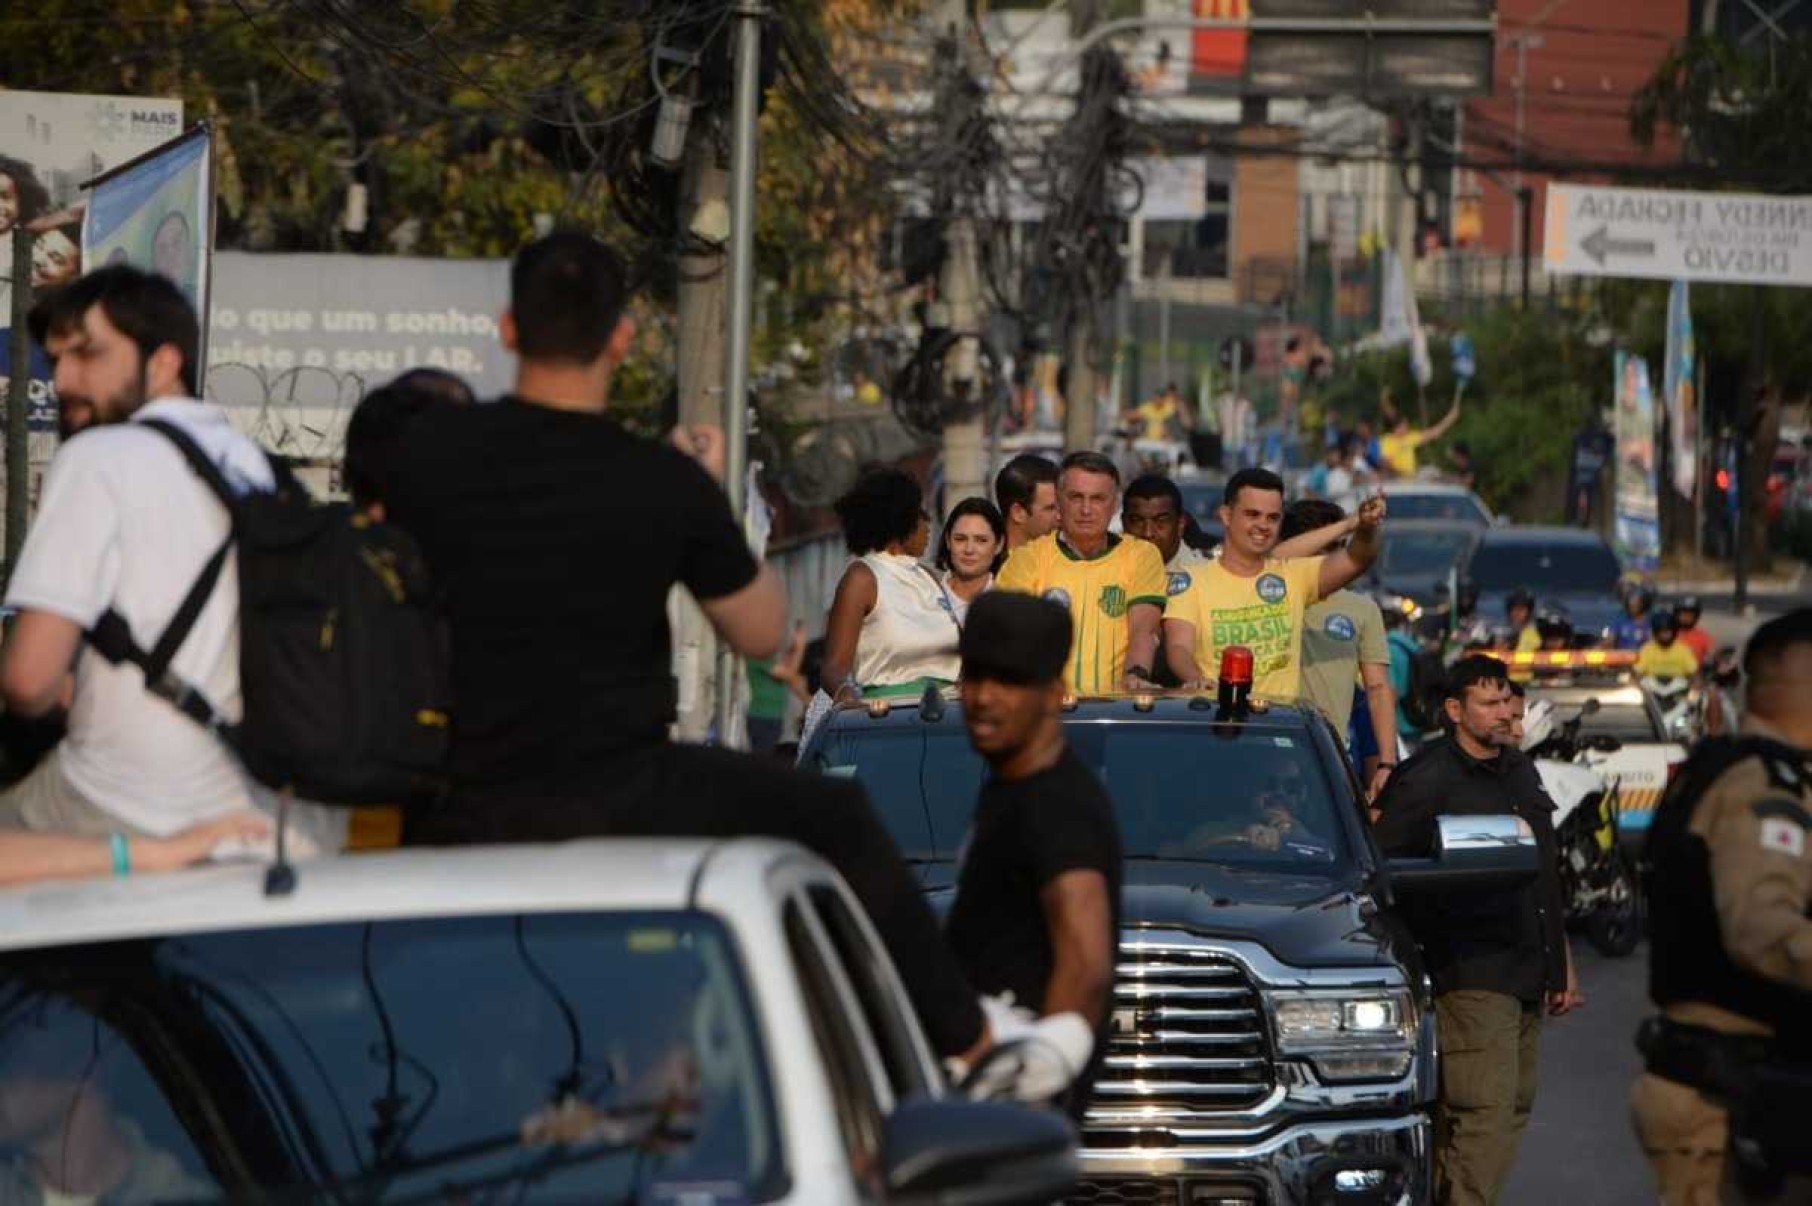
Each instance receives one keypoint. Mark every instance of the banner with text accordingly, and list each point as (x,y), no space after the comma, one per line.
(296,340)
(1737,238)
(1637,532)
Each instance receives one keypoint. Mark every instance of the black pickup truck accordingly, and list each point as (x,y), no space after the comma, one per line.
(1273,1040)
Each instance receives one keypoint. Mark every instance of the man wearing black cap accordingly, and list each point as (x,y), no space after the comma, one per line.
(1037,912)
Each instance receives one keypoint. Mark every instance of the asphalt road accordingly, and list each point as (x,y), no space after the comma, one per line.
(1580,1146)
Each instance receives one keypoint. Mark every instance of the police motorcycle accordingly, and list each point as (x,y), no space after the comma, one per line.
(1682,705)
(1598,880)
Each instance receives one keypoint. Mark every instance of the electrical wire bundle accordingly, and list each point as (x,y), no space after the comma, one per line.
(1090,194)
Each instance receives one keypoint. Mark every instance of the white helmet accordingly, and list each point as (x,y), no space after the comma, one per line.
(1538,723)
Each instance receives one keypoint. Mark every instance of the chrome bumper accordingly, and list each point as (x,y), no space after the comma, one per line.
(1385,1161)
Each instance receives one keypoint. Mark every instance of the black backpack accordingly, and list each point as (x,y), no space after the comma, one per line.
(343,657)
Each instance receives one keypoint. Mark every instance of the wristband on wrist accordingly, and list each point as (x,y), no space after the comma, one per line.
(1143,672)
(122,854)
(1387,766)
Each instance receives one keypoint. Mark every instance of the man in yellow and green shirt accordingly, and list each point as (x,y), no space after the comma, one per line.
(1112,585)
(1254,598)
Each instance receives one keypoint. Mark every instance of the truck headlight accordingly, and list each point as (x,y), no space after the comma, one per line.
(1359,1035)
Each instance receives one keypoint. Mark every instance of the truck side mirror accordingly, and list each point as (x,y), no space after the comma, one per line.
(1472,853)
(948,1151)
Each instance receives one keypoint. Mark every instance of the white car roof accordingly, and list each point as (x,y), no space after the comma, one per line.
(597,874)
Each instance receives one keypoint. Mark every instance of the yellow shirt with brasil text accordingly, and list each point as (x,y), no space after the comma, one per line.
(1263,613)
(1098,591)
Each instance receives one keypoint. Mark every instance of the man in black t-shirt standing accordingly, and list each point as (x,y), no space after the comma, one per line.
(1037,910)
(555,535)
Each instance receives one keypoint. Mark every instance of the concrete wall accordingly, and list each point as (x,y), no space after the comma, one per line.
(1266,212)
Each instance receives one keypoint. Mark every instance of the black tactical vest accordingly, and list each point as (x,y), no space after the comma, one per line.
(1687,960)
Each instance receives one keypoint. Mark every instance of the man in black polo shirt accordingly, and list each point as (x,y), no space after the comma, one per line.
(1496,957)
(556,535)
(1037,910)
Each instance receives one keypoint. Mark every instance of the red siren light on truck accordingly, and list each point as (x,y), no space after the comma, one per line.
(1235,691)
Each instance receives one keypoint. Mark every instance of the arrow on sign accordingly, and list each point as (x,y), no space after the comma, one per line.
(1599,244)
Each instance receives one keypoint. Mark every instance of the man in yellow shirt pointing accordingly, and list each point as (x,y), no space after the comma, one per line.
(1251,597)
(1113,585)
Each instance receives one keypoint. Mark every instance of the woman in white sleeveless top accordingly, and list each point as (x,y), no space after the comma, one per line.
(891,630)
(970,552)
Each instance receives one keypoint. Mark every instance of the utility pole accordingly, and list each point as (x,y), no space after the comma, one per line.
(965,450)
(704,279)
(18,402)
(1524,43)
(1079,420)
(744,113)
(966,467)
(703,292)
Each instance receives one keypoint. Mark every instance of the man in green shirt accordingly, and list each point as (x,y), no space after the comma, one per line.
(1345,654)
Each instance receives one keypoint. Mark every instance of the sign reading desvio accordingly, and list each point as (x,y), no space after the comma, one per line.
(1735,238)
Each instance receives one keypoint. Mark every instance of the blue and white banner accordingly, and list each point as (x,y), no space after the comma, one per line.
(1679,392)
(156,213)
(1637,532)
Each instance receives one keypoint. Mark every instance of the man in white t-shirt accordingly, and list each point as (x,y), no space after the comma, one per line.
(125,524)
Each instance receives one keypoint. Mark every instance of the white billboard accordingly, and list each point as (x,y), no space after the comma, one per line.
(1734,238)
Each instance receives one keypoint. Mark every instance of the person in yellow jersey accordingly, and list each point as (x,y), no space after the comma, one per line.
(1254,598)
(1113,585)
(1164,417)
(1664,654)
(1400,441)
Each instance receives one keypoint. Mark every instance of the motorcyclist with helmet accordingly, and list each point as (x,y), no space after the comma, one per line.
(1665,654)
(1631,630)
(1519,611)
(1687,612)
(1553,628)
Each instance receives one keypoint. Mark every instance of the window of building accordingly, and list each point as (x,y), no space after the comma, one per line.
(1198,248)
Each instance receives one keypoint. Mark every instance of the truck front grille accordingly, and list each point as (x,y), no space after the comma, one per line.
(1188,1033)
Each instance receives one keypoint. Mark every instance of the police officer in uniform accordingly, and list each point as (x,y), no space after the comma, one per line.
(1722,1109)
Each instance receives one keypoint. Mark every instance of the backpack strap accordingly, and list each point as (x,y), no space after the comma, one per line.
(112,638)
(199,461)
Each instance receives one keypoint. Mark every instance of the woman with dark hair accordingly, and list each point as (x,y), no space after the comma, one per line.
(22,198)
(890,630)
(973,546)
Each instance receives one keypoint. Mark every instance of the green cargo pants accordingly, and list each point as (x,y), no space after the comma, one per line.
(1489,1043)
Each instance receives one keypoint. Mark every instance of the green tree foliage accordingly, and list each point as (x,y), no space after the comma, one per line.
(1742,113)
(1541,378)
(467,121)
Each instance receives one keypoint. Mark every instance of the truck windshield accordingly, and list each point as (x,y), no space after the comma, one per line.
(595,1057)
(1256,796)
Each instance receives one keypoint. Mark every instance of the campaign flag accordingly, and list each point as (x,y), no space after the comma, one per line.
(157,213)
(1465,363)
(1637,532)
(1678,391)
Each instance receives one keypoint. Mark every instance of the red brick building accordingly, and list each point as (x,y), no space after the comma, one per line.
(1577,64)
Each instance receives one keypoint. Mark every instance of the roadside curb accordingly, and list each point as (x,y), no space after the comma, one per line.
(1724,587)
